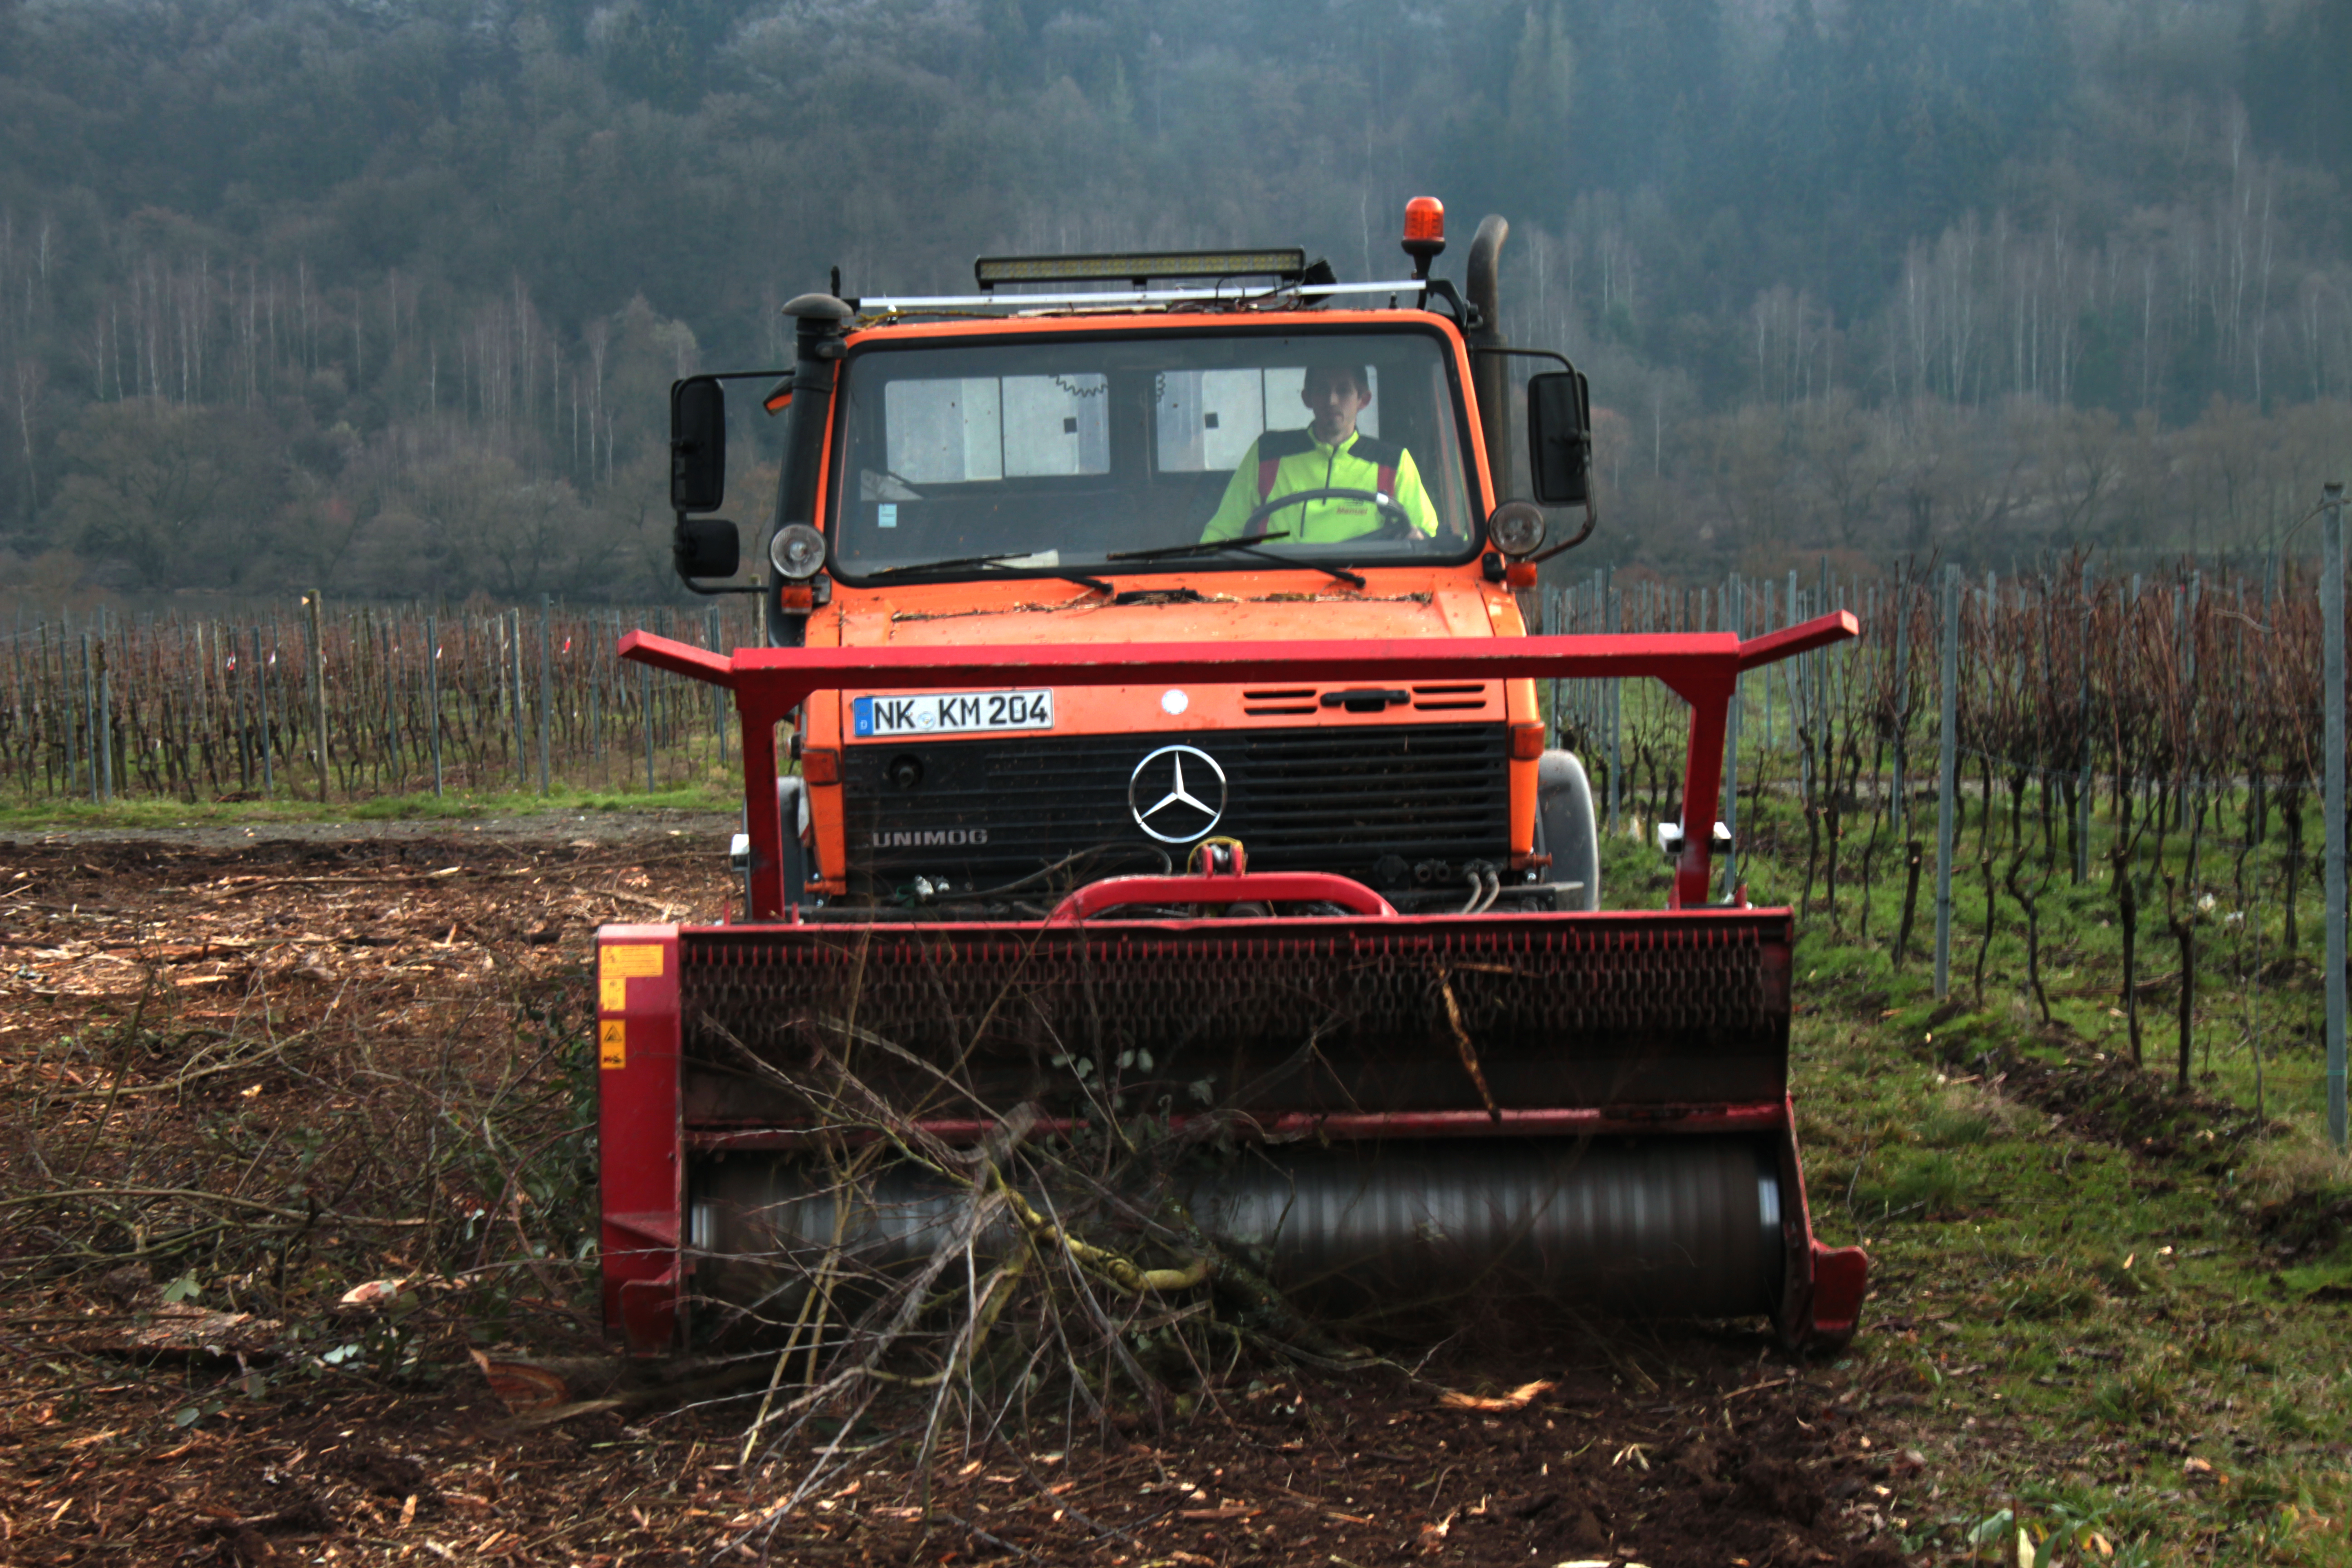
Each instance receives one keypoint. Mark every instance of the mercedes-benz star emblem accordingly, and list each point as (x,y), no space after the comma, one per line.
(1186,789)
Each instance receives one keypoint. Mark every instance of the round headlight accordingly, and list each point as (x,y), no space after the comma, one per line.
(1517,527)
(797,551)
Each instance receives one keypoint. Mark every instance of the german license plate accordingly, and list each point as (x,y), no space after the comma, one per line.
(960,713)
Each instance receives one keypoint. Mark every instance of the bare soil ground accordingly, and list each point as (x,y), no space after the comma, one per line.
(248,1075)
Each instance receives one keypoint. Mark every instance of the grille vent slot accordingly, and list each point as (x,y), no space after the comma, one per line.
(1286,700)
(1449,699)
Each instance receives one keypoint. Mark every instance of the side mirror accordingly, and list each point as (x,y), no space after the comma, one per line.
(1559,437)
(698,450)
(706,547)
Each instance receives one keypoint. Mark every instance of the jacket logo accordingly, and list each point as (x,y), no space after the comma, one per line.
(925,839)
(1186,790)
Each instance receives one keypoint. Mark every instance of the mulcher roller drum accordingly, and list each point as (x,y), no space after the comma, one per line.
(1666,1227)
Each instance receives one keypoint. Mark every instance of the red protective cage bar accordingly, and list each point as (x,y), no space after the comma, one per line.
(1701,667)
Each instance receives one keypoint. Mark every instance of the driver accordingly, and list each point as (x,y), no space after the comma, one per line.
(1327,454)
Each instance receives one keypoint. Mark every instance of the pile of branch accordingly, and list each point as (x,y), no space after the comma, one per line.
(1035,1274)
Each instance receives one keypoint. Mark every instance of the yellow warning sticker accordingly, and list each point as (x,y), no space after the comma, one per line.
(621,962)
(612,1044)
(633,959)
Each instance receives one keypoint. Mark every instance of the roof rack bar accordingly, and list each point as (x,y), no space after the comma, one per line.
(871,303)
(1288,263)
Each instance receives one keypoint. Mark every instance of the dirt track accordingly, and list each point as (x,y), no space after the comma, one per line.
(257,1075)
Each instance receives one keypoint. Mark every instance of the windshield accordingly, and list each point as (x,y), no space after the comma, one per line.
(1176,453)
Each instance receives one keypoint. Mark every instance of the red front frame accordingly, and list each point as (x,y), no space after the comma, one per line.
(1701,667)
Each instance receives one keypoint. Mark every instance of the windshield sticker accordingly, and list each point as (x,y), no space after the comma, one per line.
(887,515)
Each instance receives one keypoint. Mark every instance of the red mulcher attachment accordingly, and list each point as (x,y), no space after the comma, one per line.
(1591,1106)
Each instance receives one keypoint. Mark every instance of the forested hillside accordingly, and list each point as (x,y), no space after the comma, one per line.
(385,296)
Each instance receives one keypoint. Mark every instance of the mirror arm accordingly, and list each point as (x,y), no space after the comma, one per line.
(1591,517)
(1558,359)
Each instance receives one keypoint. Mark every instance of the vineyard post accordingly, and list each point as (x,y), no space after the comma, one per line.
(61,709)
(1947,767)
(514,647)
(1596,690)
(1793,609)
(2122,784)
(1582,692)
(1735,614)
(432,692)
(88,718)
(261,688)
(2331,609)
(318,685)
(2262,775)
(226,637)
(105,726)
(1616,698)
(1902,603)
(719,693)
(391,698)
(2082,743)
(1550,611)
(1818,701)
(2191,793)
(88,706)
(546,609)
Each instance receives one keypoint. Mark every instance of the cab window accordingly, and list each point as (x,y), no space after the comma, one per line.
(1060,455)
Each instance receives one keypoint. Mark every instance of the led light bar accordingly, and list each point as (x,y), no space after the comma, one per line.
(1139,269)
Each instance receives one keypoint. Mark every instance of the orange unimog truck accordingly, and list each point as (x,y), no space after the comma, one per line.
(1021,467)
(1167,735)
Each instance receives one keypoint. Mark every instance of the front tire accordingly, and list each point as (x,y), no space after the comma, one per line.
(1567,830)
(793,807)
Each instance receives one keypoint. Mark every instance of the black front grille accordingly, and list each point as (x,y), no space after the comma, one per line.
(986,811)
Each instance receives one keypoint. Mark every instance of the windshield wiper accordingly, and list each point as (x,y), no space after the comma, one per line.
(997,560)
(1206,547)
(1004,559)
(1246,546)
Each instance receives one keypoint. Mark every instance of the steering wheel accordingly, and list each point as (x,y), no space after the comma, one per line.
(1395,522)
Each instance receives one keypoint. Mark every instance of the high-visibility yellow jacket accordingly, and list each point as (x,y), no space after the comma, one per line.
(1283,462)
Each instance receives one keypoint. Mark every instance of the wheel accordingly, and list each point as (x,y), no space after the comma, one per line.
(793,807)
(1566,829)
(793,813)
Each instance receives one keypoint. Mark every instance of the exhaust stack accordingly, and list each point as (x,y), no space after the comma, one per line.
(1490,374)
